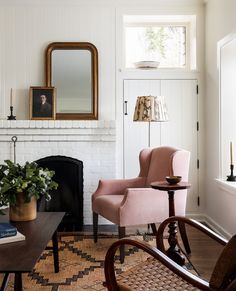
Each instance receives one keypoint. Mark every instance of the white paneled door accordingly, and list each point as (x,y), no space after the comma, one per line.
(180,131)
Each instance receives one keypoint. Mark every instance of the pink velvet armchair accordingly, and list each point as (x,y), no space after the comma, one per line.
(128,202)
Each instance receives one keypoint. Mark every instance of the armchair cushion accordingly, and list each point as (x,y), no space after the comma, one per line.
(127,209)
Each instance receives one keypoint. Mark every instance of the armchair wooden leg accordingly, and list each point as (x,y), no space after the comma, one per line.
(184,237)
(154,229)
(95,227)
(121,230)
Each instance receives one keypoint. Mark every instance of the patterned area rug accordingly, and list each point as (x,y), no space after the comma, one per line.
(81,264)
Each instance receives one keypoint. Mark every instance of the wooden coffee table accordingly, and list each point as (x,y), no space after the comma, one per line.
(21,257)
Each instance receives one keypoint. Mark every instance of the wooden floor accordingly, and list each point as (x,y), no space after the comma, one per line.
(204,252)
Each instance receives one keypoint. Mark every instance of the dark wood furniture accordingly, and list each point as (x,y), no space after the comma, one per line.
(173,251)
(21,257)
(159,271)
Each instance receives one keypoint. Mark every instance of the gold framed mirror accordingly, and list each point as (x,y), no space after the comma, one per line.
(72,68)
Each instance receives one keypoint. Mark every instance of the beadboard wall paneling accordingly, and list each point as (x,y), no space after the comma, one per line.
(25,32)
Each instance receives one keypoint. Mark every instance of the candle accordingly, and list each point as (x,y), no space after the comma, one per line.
(231,153)
(11,98)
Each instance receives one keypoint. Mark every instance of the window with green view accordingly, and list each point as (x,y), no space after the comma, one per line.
(165,44)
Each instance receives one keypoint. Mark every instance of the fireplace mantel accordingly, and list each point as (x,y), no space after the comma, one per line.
(57,130)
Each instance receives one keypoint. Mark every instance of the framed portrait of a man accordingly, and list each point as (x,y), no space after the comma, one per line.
(42,103)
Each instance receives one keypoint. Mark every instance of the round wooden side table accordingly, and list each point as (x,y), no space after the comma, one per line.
(173,251)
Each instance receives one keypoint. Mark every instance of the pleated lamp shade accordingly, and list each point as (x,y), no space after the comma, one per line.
(150,108)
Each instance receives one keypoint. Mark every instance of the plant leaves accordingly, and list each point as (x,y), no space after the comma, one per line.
(29,178)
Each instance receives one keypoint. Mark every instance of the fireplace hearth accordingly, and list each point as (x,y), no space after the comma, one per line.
(68,197)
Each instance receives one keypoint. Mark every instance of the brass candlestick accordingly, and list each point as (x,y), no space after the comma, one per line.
(231,178)
(11,117)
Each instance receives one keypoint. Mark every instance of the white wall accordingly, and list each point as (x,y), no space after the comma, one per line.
(28,26)
(26,30)
(220,21)
(227,70)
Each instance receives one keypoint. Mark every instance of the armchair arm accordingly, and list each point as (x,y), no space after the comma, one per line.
(111,282)
(137,195)
(182,221)
(117,186)
(155,210)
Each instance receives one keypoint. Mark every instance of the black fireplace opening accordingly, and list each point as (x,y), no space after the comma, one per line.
(68,197)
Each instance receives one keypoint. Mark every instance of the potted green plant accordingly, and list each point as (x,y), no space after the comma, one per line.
(21,186)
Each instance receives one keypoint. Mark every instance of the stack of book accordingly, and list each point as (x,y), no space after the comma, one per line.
(9,233)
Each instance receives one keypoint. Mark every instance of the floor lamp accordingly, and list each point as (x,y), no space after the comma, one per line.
(150,109)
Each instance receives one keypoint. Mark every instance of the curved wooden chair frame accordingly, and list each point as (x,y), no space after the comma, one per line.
(228,278)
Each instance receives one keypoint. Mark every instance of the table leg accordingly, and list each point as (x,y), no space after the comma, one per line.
(5,282)
(18,282)
(55,252)
(173,252)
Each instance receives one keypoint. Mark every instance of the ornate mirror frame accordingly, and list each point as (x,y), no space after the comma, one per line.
(94,76)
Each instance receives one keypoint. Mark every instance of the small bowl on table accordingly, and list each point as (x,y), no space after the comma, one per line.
(173,179)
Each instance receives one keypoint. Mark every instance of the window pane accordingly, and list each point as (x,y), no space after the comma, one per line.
(164,44)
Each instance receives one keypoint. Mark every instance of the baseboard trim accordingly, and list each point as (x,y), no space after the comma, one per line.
(217,228)
(201,217)
(197,216)
(211,223)
(102,227)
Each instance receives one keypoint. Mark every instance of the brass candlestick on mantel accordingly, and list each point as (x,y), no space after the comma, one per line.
(11,116)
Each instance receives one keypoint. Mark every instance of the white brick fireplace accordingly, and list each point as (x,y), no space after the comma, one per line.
(92,142)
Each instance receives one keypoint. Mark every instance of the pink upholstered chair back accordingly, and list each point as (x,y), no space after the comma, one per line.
(157,163)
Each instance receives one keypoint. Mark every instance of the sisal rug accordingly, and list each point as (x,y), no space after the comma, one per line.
(81,264)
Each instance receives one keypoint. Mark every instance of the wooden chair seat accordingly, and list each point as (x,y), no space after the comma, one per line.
(159,272)
(152,275)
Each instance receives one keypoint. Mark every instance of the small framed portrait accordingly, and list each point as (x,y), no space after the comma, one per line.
(42,102)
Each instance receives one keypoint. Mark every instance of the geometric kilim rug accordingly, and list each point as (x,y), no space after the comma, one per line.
(81,264)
